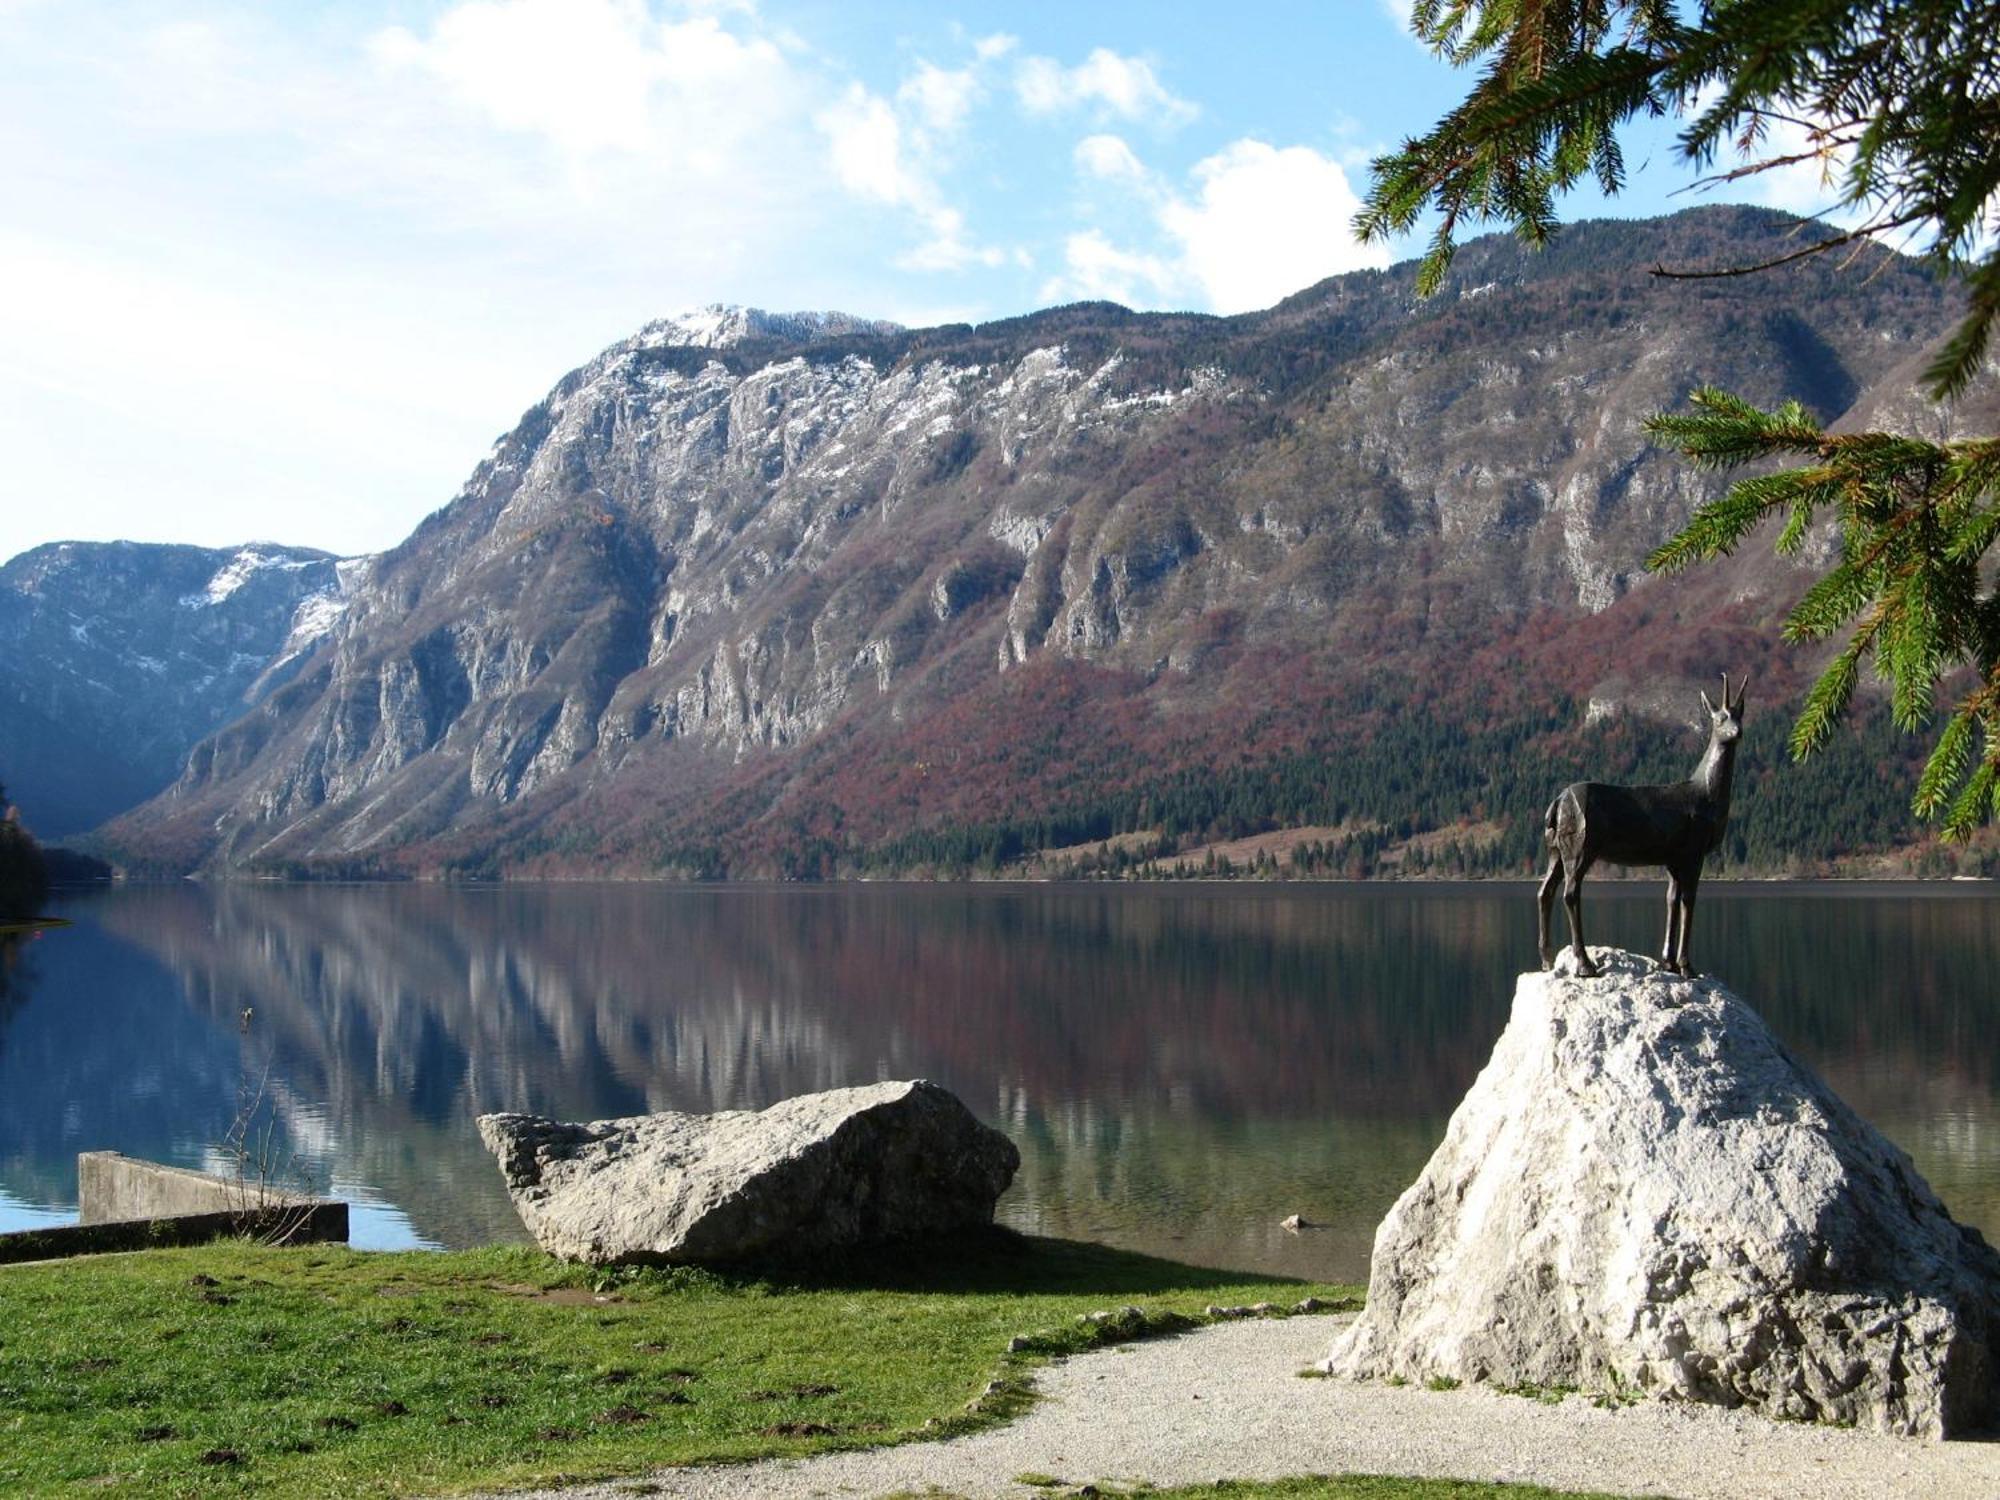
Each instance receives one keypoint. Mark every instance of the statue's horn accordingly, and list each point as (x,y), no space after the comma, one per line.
(1736,704)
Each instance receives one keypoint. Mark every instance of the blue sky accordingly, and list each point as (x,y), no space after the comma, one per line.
(285,271)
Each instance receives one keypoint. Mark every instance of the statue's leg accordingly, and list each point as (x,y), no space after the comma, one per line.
(1545,907)
(1670,946)
(1689,880)
(1573,905)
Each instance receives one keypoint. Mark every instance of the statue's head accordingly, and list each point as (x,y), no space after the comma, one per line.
(1726,723)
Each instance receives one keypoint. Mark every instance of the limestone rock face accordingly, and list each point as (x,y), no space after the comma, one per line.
(843,1167)
(1644,1191)
(740,563)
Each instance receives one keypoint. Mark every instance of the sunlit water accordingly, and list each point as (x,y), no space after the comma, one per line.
(1182,1067)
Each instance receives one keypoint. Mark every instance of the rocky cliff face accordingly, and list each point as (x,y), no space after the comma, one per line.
(830,579)
(116,657)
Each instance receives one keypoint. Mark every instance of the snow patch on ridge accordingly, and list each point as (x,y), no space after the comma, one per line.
(719,325)
(318,613)
(239,570)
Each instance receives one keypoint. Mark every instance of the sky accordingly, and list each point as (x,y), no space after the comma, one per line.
(284,272)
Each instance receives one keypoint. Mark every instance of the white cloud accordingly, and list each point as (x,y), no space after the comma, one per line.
(1124,87)
(1267,222)
(1109,159)
(1096,269)
(895,153)
(948,249)
(865,140)
(592,75)
(998,45)
(515,114)
(1261,223)
(940,98)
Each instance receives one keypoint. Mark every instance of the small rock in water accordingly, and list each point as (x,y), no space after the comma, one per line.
(1297,1222)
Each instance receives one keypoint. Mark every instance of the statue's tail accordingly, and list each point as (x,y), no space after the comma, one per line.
(1563,812)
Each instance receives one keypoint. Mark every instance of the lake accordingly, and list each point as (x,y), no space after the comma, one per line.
(1182,1066)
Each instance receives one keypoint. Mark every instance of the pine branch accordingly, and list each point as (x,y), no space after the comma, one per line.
(1946,766)
(1913,657)
(1829,696)
(1725,431)
(1974,803)
(1951,372)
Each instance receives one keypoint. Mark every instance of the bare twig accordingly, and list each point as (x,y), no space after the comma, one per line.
(272,1189)
(1767,164)
(1819,247)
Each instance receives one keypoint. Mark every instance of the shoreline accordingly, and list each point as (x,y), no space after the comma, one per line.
(1602,879)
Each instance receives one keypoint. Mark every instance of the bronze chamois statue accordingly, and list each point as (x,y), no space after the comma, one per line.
(1675,826)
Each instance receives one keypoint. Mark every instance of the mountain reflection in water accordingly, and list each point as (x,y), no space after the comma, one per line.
(1181,1067)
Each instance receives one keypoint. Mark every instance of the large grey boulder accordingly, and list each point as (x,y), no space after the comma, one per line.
(1644,1192)
(844,1167)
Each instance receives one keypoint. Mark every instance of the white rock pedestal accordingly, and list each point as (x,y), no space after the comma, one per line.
(1645,1193)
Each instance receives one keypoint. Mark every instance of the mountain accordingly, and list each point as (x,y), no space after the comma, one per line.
(117,657)
(718,327)
(803,594)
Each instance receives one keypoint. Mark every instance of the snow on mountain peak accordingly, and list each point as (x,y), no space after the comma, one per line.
(233,574)
(718,325)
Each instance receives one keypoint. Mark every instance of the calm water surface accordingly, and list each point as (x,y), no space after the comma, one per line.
(1182,1067)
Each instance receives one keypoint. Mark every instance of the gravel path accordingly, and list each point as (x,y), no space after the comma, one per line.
(1226,1402)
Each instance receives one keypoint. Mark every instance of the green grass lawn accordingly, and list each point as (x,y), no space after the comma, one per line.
(318,1371)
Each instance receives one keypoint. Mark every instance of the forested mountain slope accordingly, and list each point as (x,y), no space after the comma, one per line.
(817,596)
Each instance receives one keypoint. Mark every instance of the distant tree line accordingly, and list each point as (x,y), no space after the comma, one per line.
(24,878)
(1417,774)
